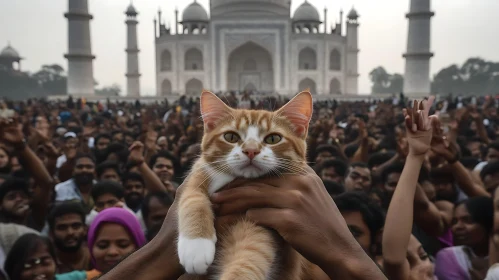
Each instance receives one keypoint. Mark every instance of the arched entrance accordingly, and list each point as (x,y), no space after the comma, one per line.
(193,87)
(334,86)
(307,83)
(250,68)
(166,87)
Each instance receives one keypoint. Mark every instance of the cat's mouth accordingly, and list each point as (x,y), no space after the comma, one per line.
(251,164)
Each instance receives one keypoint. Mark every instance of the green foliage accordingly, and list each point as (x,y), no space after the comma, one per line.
(384,82)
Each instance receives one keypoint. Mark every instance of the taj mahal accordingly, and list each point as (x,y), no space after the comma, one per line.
(244,45)
(249,45)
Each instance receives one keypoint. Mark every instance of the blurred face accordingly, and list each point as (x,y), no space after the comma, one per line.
(419,261)
(110,174)
(102,143)
(134,193)
(118,137)
(429,190)
(492,155)
(14,162)
(323,156)
(84,171)
(359,229)
(444,190)
(491,181)
(129,140)
(163,143)
(113,242)
(71,143)
(4,158)
(157,213)
(39,265)
(188,156)
(164,169)
(391,183)
(105,201)
(68,233)
(15,204)
(330,173)
(359,178)
(465,230)
(475,147)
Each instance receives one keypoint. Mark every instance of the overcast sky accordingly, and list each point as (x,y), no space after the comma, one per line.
(38,30)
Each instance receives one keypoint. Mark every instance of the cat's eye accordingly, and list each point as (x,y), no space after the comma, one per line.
(273,139)
(231,137)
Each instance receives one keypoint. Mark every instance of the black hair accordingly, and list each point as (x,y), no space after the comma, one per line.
(103,166)
(84,155)
(493,145)
(489,169)
(163,197)
(481,209)
(395,167)
(340,166)
(65,208)
(132,176)
(107,187)
(168,156)
(102,135)
(21,251)
(469,162)
(379,158)
(333,150)
(372,214)
(350,150)
(119,149)
(359,164)
(333,188)
(13,184)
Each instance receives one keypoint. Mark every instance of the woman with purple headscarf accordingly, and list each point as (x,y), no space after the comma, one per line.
(114,234)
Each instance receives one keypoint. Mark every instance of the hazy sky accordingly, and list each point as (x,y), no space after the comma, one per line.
(38,30)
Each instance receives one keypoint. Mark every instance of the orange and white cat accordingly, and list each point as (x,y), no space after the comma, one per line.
(249,144)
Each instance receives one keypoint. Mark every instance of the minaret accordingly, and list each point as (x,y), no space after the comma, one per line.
(352,62)
(417,57)
(79,56)
(132,51)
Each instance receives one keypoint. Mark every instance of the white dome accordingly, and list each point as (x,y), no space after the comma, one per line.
(353,14)
(194,12)
(306,12)
(9,52)
(131,10)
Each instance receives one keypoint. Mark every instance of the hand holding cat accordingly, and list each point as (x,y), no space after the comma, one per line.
(299,208)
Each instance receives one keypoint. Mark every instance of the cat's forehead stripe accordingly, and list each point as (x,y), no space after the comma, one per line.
(252,133)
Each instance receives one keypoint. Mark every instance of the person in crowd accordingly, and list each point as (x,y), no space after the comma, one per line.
(67,230)
(332,169)
(108,170)
(9,233)
(135,190)
(154,208)
(472,226)
(358,177)
(78,188)
(114,234)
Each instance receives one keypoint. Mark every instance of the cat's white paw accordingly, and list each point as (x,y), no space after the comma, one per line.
(196,255)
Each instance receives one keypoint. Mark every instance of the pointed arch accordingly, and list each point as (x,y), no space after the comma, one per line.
(166,61)
(335,86)
(166,87)
(335,60)
(193,87)
(308,83)
(307,59)
(249,65)
(193,60)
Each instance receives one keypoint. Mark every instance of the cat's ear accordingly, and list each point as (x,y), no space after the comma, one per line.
(212,109)
(299,112)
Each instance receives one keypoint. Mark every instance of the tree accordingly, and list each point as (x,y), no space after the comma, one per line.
(51,78)
(113,90)
(476,77)
(384,82)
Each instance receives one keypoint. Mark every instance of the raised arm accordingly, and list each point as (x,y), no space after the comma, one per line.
(399,219)
(151,180)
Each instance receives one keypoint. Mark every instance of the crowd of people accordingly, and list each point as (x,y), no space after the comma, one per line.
(84,185)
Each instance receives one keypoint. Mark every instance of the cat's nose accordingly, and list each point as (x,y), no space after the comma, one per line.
(251,153)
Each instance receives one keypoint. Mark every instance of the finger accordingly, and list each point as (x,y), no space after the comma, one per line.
(269,217)
(253,194)
(414,116)
(429,103)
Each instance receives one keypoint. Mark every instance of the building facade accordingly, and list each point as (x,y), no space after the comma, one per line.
(256,45)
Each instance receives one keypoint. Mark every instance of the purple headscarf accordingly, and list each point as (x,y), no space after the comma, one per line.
(117,216)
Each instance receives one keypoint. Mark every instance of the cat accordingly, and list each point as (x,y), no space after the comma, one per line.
(249,144)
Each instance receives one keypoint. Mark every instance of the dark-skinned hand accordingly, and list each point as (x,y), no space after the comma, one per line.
(298,207)
(11,131)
